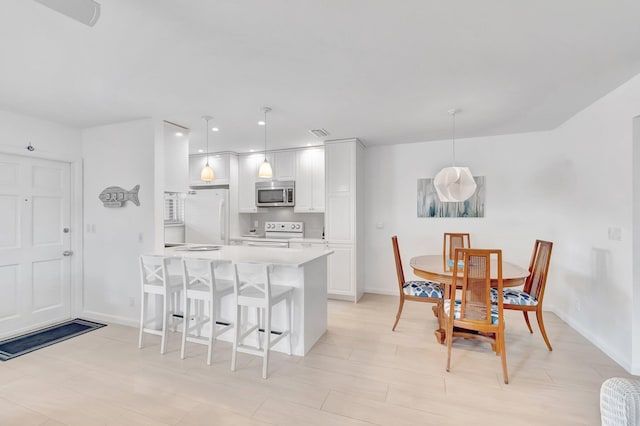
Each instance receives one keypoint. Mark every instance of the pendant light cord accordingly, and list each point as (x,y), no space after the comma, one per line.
(206,130)
(265,134)
(453,132)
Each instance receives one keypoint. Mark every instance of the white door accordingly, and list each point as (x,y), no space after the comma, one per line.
(35,284)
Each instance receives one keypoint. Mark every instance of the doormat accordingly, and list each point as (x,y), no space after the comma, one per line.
(25,343)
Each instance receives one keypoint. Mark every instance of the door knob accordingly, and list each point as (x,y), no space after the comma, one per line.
(67,253)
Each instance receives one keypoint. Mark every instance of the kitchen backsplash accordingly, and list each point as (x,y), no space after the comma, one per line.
(313,222)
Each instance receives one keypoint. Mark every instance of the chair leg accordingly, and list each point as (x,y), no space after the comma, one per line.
(212,331)
(503,354)
(288,313)
(236,338)
(449,339)
(267,341)
(526,319)
(143,304)
(542,330)
(400,306)
(185,326)
(260,323)
(165,317)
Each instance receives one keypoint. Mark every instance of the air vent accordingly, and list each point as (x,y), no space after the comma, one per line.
(319,133)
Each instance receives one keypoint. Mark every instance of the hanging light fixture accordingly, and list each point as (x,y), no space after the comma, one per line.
(454,184)
(207,171)
(265,170)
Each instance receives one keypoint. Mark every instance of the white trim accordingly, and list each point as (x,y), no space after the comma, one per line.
(384,291)
(110,319)
(592,338)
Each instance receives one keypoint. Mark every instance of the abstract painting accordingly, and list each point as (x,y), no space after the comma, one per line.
(429,205)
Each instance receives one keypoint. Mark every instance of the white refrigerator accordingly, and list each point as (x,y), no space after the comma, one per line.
(206,216)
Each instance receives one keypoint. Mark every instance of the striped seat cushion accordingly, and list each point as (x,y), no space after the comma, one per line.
(422,289)
(512,296)
(458,305)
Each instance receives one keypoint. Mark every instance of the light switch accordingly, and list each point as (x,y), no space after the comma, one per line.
(380,225)
(615,234)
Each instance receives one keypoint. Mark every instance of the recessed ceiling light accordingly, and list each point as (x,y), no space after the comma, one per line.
(179,134)
(252,150)
(308,144)
(201,150)
(214,129)
(260,123)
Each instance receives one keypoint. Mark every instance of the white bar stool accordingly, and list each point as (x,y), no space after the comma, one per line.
(201,286)
(255,291)
(156,280)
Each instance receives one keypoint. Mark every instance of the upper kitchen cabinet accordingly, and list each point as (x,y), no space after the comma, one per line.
(176,163)
(284,165)
(248,166)
(219,163)
(309,181)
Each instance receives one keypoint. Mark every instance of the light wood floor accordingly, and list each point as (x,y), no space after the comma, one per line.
(360,373)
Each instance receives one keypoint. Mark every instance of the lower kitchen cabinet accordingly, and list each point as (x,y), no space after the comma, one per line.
(341,271)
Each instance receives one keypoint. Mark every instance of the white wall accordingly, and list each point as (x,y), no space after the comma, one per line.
(123,155)
(636,247)
(568,186)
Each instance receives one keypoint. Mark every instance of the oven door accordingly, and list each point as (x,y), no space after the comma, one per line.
(266,197)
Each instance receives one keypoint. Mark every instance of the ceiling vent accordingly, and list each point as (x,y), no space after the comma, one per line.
(319,133)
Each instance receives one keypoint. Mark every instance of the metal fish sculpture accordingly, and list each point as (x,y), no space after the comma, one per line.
(114,196)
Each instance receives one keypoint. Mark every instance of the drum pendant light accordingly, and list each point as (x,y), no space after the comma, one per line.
(265,170)
(454,184)
(207,174)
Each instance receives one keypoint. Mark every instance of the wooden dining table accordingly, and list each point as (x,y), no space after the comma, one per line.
(432,267)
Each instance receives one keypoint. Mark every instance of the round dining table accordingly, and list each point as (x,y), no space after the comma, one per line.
(434,268)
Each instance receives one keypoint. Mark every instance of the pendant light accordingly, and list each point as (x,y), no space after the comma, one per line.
(265,170)
(454,184)
(206,174)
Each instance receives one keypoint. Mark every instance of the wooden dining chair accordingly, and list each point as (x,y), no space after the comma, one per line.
(418,291)
(451,242)
(473,315)
(529,299)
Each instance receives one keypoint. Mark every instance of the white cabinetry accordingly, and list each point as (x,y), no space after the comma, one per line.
(247,176)
(284,165)
(343,218)
(176,163)
(219,163)
(310,181)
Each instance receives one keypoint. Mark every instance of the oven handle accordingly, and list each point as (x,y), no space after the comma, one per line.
(266,244)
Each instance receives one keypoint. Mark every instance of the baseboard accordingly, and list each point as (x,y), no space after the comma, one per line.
(384,291)
(111,319)
(597,342)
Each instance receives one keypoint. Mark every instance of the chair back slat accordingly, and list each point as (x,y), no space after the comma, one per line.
(451,242)
(396,255)
(198,272)
(475,282)
(252,279)
(153,269)
(538,269)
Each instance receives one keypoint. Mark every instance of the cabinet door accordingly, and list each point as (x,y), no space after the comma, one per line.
(284,165)
(340,159)
(247,176)
(340,270)
(219,163)
(310,181)
(176,160)
(339,220)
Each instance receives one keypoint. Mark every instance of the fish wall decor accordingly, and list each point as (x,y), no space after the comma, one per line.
(114,196)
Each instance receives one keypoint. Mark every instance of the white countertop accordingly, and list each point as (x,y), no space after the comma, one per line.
(261,237)
(239,254)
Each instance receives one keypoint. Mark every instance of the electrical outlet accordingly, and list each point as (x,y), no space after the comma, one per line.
(615,234)
(256,224)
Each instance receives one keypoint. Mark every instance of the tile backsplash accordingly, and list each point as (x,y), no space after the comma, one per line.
(313,222)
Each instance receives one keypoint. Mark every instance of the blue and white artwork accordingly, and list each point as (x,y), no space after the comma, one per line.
(429,205)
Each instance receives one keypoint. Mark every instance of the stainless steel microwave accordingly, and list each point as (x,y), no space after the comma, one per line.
(275,193)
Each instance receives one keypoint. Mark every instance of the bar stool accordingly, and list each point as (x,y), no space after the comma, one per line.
(256,291)
(154,274)
(201,287)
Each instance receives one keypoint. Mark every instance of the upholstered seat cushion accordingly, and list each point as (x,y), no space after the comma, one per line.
(512,296)
(458,305)
(422,289)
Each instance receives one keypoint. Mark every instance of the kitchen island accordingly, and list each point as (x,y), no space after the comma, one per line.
(303,269)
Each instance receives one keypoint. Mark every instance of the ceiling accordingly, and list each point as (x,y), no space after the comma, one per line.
(384,71)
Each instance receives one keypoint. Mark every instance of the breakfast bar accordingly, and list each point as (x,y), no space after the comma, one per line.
(303,269)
